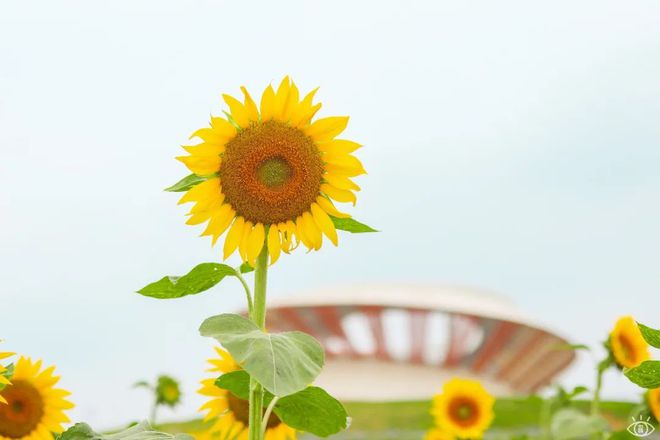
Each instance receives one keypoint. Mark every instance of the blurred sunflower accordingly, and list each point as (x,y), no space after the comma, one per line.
(272,174)
(4,380)
(653,400)
(464,409)
(626,343)
(230,413)
(167,391)
(438,434)
(35,408)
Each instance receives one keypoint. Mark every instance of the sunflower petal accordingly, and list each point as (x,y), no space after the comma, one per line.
(341,182)
(201,165)
(274,244)
(255,243)
(250,106)
(340,195)
(311,230)
(339,146)
(234,236)
(324,223)
(329,208)
(243,246)
(326,129)
(267,104)
(238,111)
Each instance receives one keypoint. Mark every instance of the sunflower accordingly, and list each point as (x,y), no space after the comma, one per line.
(230,413)
(627,344)
(464,409)
(272,175)
(438,434)
(35,408)
(167,391)
(4,380)
(653,400)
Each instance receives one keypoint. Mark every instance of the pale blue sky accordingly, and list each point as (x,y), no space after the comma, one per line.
(511,145)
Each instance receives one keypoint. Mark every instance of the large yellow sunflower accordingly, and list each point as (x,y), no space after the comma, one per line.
(35,408)
(273,174)
(230,414)
(4,381)
(464,409)
(653,400)
(627,344)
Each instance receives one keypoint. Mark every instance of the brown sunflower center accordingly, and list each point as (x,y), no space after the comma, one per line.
(241,410)
(23,411)
(463,411)
(627,348)
(271,172)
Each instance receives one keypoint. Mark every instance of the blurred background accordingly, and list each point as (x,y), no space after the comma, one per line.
(511,146)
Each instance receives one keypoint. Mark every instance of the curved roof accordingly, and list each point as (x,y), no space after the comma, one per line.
(443,298)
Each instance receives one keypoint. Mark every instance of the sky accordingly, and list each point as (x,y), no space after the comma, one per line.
(510,145)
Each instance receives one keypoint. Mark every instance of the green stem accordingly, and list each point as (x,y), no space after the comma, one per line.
(258,316)
(152,416)
(267,414)
(248,294)
(595,403)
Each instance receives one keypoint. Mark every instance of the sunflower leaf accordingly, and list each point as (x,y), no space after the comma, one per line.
(312,410)
(351,225)
(646,375)
(186,183)
(202,277)
(284,363)
(236,382)
(245,268)
(141,431)
(652,336)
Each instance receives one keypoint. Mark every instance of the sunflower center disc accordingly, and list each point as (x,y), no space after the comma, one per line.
(463,411)
(241,410)
(23,412)
(271,172)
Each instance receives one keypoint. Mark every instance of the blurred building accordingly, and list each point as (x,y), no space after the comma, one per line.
(396,342)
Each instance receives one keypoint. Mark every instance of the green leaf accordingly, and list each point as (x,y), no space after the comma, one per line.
(141,431)
(187,182)
(312,410)
(351,225)
(650,335)
(202,277)
(236,382)
(570,423)
(8,373)
(574,347)
(646,375)
(245,268)
(284,363)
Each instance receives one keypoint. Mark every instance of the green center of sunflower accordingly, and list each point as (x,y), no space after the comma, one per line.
(241,410)
(23,412)
(271,172)
(463,411)
(274,172)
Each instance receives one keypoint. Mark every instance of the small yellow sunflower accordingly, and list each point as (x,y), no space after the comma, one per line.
(230,413)
(273,174)
(4,381)
(627,344)
(653,400)
(438,434)
(35,408)
(167,391)
(464,409)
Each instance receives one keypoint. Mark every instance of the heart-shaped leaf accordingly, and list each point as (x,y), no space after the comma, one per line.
(646,375)
(652,336)
(312,410)
(141,431)
(284,363)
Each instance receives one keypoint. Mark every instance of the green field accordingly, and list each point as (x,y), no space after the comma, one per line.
(409,420)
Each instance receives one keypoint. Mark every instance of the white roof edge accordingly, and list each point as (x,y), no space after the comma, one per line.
(442,298)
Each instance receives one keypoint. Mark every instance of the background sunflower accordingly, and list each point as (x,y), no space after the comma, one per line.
(272,174)
(229,413)
(464,408)
(628,347)
(4,380)
(35,408)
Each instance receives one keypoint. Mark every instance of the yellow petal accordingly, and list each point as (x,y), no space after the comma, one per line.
(201,191)
(300,232)
(326,129)
(4,380)
(2,400)
(205,149)
(201,165)
(6,354)
(343,160)
(291,104)
(324,223)
(344,171)
(281,97)
(305,110)
(220,220)
(243,246)
(338,146)
(238,112)
(213,135)
(340,195)
(223,127)
(268,104)
(341,182)
(274,244)
(330,208)
(250,106)
(311,230)
(255,242)
(233,237)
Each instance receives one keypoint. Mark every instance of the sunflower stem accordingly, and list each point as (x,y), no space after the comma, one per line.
(258,316)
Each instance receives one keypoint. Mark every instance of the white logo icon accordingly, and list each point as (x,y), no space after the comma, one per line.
(641,428)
